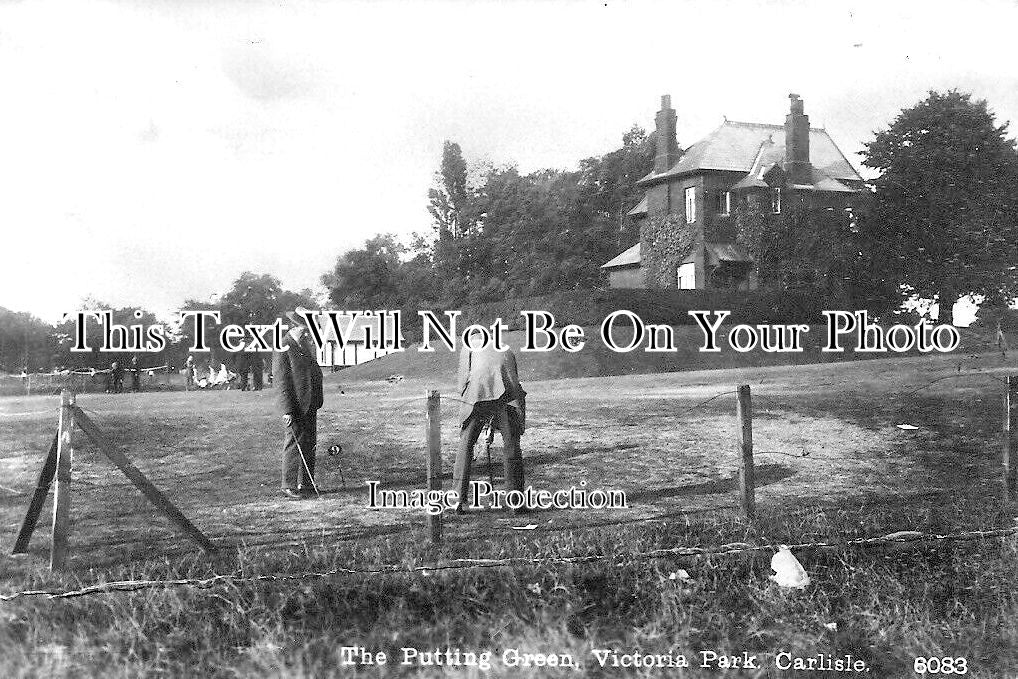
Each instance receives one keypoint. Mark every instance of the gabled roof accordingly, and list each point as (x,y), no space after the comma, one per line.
(630,257)
(640,209)
(757,179)
(737,147)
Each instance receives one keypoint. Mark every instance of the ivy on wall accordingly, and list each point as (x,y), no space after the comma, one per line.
(664,242)
(809,248)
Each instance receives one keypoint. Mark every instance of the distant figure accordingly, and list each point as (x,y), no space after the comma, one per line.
(241,366)
(1001,339)
(489,386)
(189,378)
(299,398)
(116,380)
(135,374)
(257,369)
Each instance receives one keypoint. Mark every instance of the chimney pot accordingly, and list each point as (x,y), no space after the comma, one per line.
(796,103)
(797,164)
(667,141)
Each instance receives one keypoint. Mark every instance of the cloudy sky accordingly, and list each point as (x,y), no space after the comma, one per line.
(153,151)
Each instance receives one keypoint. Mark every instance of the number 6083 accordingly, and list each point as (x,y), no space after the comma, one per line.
(945,665)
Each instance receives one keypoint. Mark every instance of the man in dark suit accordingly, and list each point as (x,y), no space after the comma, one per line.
(490,393)
(299,395)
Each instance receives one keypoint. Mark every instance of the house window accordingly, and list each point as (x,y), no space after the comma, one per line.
(687,276)
(725,203)
(690,204)
(776,201)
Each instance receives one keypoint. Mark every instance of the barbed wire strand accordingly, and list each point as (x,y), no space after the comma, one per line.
(949,377)
(728,549)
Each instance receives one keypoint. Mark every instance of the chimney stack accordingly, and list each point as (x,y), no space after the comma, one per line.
(797,165)
(667,142)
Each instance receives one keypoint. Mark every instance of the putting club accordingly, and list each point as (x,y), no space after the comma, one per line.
(303,459)
(488,441)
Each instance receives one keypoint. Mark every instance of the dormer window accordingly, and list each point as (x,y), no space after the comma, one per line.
(776,201)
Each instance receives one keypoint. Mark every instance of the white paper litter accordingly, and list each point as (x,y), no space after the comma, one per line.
(788,572)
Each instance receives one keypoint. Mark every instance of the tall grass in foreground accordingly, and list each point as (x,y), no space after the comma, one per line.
(884,605)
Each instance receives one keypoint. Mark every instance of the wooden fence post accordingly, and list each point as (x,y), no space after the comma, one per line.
(1010,469)
(433,434)
(62,494)
(747,481)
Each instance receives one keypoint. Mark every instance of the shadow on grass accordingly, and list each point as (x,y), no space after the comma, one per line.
(765,474)
(480,468)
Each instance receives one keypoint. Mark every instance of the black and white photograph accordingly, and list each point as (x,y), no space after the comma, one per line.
(508,338)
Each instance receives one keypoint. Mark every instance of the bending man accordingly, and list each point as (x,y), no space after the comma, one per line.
(489,386)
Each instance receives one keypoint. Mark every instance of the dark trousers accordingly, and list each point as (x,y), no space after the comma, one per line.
(498,413)
(257,378)
(303,430)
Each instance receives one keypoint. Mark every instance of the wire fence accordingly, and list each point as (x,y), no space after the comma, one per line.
(769,401)
(95,380)
(730,549)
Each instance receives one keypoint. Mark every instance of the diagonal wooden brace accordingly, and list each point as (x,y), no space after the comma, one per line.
(49,468)
(154,495)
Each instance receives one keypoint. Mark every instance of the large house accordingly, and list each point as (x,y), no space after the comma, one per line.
(687,218)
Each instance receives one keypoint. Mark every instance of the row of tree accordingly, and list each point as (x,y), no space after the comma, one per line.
(499,234)
(940,222)
(29,344)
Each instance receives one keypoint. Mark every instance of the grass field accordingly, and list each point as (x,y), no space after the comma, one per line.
(831,464)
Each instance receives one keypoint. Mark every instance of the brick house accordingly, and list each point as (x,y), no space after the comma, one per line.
(688,216)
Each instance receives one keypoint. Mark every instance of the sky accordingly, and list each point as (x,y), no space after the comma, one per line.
(151,152)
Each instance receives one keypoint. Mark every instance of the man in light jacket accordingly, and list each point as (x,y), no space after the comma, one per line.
(298,381)
(490,390)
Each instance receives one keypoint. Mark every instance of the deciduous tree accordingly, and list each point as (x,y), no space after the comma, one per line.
(945,216)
